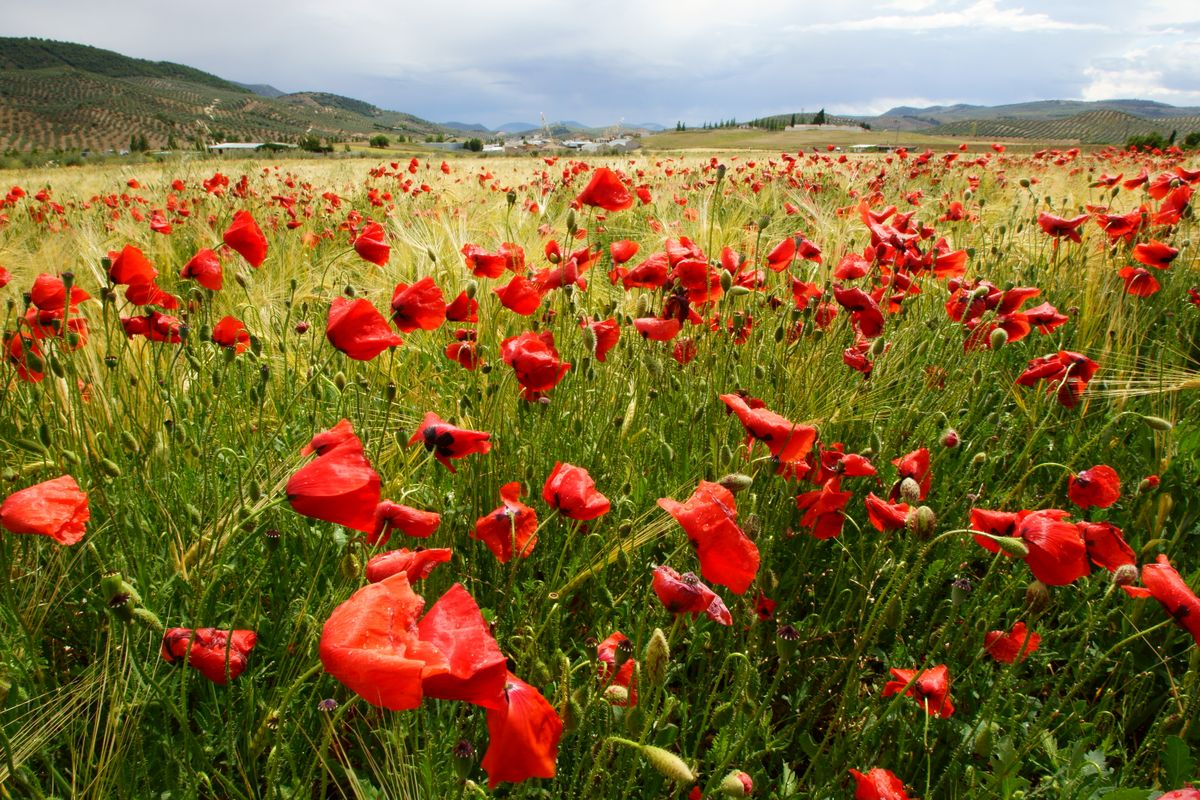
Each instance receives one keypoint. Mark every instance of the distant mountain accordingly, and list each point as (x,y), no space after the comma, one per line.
(467,127)
(59,95)
(262,89)
(647,126)
(517,127)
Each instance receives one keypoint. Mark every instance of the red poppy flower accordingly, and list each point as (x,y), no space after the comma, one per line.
(1106,545)
(878,784)
(605,190)
(1005,647)
(607,652)
(22,351)
(5,277)
(650,274)
(1060,226)
(447,441)
(787,441)
(205,269)
(864,310)
(1057,553)
(824,509)
(523,736)
(685,594)
(1187,793)
(511,529)
(931,688)
(231,333)
(1045,318)
(391,516)
(340,485)
(535,362)
(655,329)
(622,250)
(155,326)
(358,329)
(572,492)
(421,305)
(643,193)
(130,267)
(1099,486)
(885,516)
(370,244)
(477,668)
(782,255)
(371,645)
(606,333)
(1138,281)
(150,294)
(1167,587)
(49,293)
(482,263)
(914,465)
(56,508)
(1155,254)
(210,651)
(1067,372)
(245,237)
(709,518)
(520,295)
(416,564)
(463,353)
(463,309)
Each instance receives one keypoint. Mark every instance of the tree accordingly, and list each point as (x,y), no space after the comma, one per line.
(793,122)
(474,145)
(819,119)
(379,140)
(1192,140)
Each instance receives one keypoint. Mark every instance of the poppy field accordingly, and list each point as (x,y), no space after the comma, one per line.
(673,475)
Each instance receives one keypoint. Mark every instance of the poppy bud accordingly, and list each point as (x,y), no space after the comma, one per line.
(910,491)
(736,784)
(301,327)
(726,281)
(464,758)
(738,291)
(1157,423)
(950,438)
(1009,544)
(571,222)
(998,338)
(1024,183)
(666,762)
(921,522)
(511,197)
(979,460)
(1037,596)
(1125,575)
(764,221)
(877,347)
(657,658)
(736,481)
(616,695)
(959,590)
(982,743)
(110,468)
(339,380)
(1148,483)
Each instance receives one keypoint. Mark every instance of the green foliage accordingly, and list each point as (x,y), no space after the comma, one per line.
(474,144)
(379,140)
(1147,141)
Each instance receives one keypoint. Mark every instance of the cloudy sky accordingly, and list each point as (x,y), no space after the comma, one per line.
(497,61)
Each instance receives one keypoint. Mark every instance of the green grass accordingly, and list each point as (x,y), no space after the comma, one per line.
(184,452)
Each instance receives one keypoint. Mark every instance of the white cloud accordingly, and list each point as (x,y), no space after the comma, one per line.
(1165,71)
(983,15)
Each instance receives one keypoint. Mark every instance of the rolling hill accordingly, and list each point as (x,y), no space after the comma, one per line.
(58,95)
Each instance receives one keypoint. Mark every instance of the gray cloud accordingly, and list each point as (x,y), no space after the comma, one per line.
(476,60)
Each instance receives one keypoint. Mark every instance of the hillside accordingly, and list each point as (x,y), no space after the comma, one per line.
(56,95)
(1090,127)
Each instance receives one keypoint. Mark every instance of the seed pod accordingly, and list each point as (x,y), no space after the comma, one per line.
(998,338)
(1037,597)
(1157,423)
